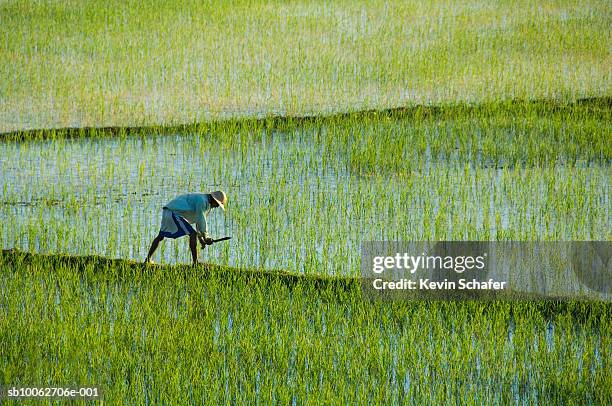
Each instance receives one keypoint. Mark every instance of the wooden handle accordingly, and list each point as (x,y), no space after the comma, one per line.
(221,239)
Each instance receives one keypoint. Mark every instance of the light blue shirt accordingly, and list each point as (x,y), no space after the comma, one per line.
(194,207)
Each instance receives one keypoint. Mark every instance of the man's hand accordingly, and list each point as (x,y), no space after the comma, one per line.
(205,241)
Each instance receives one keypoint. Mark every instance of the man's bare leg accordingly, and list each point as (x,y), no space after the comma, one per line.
(193,246)
(154,246)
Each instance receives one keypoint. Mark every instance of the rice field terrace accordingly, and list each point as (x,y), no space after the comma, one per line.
(80,63)
(305,194)
(176,335)
(328,124)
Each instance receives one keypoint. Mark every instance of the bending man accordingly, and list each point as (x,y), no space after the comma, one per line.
(180,213)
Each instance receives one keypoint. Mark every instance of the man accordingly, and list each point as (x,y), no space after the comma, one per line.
(180,213)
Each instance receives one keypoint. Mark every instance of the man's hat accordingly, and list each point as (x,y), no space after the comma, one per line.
(220,198)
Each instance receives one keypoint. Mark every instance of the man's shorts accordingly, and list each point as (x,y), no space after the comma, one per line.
(173,225)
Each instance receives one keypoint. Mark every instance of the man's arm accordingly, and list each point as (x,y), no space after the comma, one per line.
(202,228)
(201,225)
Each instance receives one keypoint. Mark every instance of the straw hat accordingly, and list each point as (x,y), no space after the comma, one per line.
(220,198)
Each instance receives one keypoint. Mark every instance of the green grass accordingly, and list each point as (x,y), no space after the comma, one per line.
(125,63)
(219,335)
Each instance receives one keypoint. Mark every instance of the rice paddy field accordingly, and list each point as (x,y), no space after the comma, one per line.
(80,63)
(305,194)
(327,124)
(215,335)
